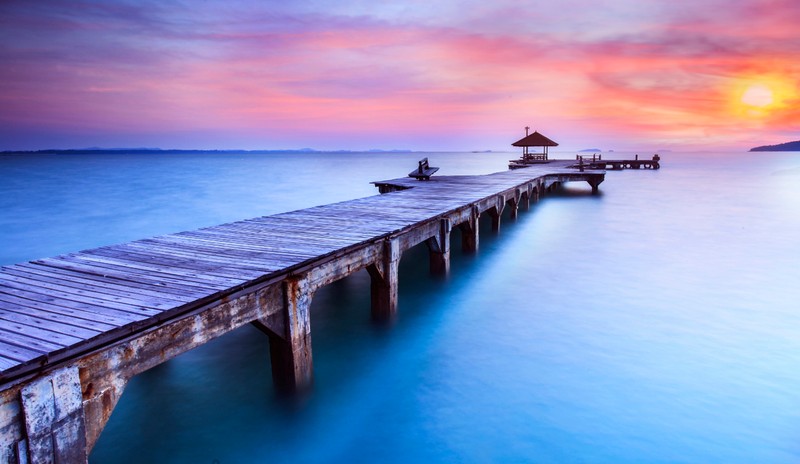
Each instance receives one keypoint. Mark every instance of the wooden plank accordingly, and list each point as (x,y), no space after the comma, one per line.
(80,281)
(132,271)
(95,315)
(336,214)
(300,227)
(194,265)
(263,259)
(39,333)
(185,268)
(72,305)
(258,235)
(156,289)
(263,228)
(126,274)
(26,341)
(62,312)
(83,293)
(354,224)
(6,363)
(18,353)
(50,321)
(340,217)
(271,255)
(205,257)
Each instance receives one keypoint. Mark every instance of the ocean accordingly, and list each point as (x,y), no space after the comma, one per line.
(656,322)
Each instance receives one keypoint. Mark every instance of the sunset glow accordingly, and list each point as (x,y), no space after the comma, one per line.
(758,95)
(360,75)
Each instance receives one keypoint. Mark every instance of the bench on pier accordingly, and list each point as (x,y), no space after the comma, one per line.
(424,171)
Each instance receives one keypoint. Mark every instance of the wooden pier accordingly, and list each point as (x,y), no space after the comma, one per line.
(74,329)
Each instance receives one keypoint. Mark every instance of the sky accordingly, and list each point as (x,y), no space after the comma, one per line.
(420,75)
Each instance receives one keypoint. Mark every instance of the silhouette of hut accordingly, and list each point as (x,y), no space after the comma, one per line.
(534,140)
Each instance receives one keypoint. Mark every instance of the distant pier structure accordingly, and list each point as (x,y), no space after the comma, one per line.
(582,162)
(596,161)
(75,328)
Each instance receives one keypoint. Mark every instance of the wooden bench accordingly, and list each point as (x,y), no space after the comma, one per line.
(424,171)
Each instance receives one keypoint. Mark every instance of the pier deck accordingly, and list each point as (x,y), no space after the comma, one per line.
(75,328)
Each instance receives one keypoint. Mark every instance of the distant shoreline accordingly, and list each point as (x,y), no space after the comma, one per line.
(139,151)
(788,146)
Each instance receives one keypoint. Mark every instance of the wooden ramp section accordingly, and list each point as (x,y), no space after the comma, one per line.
(75,328)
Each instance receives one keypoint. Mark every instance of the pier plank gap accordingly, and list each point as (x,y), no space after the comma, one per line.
(74,329)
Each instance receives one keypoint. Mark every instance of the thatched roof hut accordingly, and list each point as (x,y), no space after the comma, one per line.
(534,140)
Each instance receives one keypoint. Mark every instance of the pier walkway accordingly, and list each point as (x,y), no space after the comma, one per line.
(74,329)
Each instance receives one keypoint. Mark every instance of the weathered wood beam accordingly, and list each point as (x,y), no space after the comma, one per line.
(513,202)
(54,420)
(13,446)
(439,249)
(470,231)
(496,212)
(105,373)
(384,279)
(292,363)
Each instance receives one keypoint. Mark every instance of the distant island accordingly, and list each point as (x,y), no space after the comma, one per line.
(586,150)
(788,146)
(138,151)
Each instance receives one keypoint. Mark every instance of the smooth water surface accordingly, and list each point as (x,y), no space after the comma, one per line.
(656,322)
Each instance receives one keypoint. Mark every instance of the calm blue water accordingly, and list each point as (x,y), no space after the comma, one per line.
(657,322)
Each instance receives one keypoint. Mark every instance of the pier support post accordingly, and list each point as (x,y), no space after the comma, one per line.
(52,408)
(595,183)
(528,193)
(439,249)
(470,232)
(496,212)
(292,363)
(100,395)
(383,277)
(514,203)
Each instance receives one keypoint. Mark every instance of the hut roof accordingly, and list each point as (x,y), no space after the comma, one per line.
(535,140)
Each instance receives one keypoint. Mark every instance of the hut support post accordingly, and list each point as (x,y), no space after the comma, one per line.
(292,364)
(439,249)
(383,277)
(52,407)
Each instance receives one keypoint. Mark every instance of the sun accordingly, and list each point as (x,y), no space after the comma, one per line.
(763,96)
(758,95)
